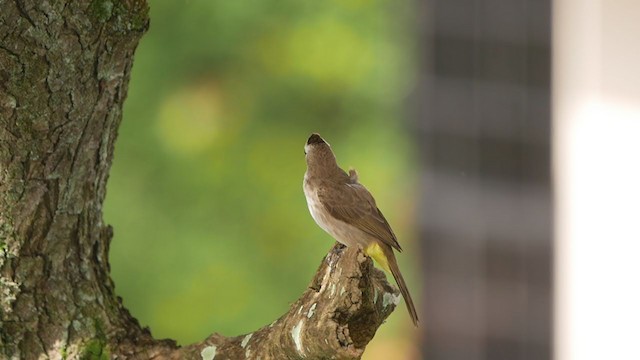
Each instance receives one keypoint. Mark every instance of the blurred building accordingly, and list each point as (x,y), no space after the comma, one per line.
(483,125)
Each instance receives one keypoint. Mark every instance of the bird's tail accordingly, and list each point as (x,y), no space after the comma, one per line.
(386,258)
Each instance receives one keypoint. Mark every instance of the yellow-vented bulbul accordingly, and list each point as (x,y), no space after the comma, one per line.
(345,209)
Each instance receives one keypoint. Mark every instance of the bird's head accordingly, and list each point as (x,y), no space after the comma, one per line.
(318,153)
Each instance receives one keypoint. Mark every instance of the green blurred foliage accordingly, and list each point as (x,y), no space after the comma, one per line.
(211,226)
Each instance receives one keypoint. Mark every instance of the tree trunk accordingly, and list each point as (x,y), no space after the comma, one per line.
(64,71)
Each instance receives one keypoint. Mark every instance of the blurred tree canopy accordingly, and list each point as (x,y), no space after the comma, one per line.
(211,226)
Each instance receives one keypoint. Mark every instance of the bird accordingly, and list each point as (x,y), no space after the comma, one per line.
(346,210)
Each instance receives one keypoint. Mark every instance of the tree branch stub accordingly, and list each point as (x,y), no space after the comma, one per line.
(335,318)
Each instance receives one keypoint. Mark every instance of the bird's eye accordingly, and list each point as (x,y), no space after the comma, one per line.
(305,152)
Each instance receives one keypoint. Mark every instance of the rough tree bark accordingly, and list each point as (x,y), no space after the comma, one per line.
(64,70)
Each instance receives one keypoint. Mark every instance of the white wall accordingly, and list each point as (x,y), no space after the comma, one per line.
(596,67)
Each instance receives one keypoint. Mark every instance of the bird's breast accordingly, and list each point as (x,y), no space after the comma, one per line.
(318,213)
(339,230)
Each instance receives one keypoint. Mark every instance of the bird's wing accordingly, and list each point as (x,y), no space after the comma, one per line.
(353,204)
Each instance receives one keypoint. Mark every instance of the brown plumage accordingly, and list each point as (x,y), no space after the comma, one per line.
(346,210)
(353,176)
